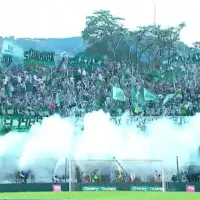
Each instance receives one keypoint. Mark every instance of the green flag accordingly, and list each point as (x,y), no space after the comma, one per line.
(169,97)
(118,94)
(182,109)
(137,100)
(135,96)
(148,96)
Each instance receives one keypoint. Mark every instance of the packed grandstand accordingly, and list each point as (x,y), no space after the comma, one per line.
(32,91)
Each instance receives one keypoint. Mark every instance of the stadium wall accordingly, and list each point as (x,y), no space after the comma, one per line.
(151,186)
(11,121)
(43,187)
(31,187)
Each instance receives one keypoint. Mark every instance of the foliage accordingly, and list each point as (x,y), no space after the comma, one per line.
(105,34)
(102,33)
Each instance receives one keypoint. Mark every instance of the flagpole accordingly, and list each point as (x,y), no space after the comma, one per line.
(155,14)
(154,24)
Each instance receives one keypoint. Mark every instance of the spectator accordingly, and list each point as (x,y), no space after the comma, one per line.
(81,89)
(174,178)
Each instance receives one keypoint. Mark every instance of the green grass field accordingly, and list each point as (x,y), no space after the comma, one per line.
(105,195)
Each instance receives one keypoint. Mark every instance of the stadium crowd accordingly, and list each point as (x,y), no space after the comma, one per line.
(76,90)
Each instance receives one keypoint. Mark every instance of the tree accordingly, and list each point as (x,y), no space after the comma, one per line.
(152,43)
(196,45)
(105,34)
(102,33)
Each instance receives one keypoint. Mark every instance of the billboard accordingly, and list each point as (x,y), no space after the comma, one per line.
(10,48)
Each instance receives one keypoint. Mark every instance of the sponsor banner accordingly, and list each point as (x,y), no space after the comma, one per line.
(10,48)
(190,188)
(57,188)
(146,188)
(99,188)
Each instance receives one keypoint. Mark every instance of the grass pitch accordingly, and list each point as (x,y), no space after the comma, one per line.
(104,195)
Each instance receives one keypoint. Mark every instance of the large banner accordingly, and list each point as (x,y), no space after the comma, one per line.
(51,59)
(10,48)
(39,57)
(85,61)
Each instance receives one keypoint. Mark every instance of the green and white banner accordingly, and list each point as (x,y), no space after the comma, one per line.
(10,48)
(39,57)
(85,61)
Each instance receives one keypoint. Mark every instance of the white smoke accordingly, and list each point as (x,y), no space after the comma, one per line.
(47,145)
